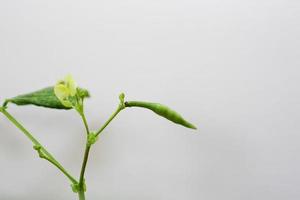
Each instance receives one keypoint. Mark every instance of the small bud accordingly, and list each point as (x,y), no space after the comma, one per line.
(92,138)
(37,147)
(75,187)
(83,93)
(122,97)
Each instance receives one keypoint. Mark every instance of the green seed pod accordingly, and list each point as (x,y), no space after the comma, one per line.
(163,111)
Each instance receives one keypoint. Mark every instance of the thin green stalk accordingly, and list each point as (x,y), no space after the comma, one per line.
(81,178)
(87,151)
(120,107)
(85,159)
(85,123)
(81,184)
(49,157)
(80,110)
(81,195)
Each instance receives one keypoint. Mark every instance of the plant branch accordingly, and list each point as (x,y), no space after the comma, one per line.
(87,151)
(120,107)
(84,163)
(80,110)
(85,123)
(49,157)
(81,195)
(81,184)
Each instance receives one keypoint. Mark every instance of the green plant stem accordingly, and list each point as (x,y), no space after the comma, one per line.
(120,107)
(81,195)
(87,151)
(49,157)
(81,178)
(85,159)
(85,123)
(81,184)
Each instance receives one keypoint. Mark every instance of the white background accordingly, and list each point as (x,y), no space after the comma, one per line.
(230,67)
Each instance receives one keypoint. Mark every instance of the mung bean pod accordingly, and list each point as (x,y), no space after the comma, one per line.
(163,111)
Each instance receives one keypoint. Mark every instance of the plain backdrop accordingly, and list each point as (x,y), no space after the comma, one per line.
(231,67)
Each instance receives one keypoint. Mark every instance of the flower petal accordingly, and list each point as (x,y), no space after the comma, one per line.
(62,93)
(71,84)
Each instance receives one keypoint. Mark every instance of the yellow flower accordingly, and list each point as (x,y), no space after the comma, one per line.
(64,89)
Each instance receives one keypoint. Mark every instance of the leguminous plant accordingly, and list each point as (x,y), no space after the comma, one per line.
(67,95)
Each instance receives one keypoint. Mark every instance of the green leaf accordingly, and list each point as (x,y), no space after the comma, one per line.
(163,111)
(44,97)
